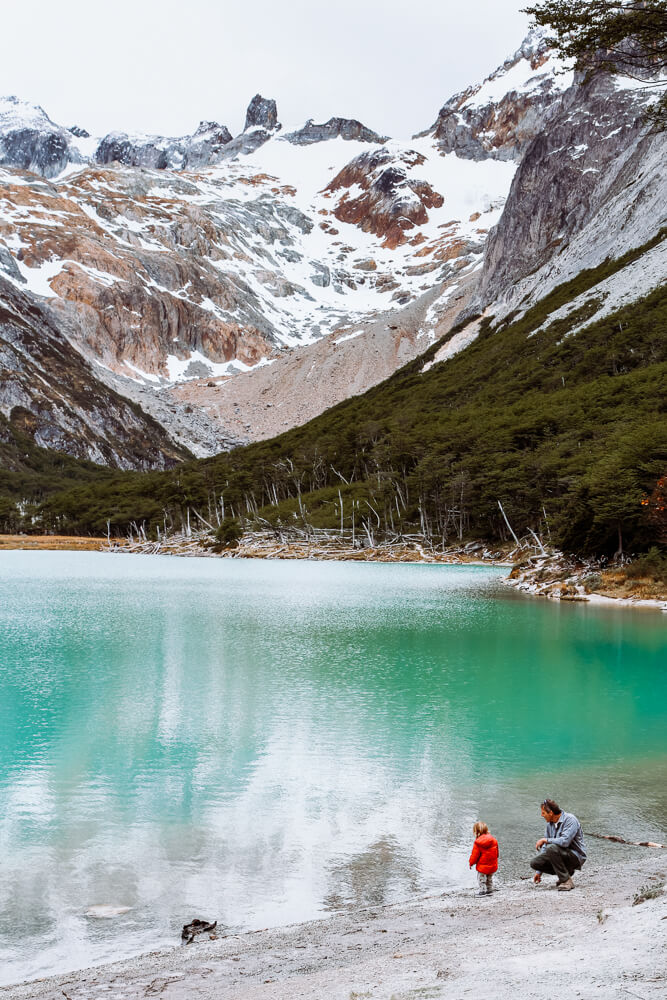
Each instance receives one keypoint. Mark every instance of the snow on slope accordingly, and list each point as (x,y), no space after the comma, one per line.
(526,76)
(16,114)
(261,230)
(338,263)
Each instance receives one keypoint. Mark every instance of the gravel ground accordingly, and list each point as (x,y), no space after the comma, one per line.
(524,941)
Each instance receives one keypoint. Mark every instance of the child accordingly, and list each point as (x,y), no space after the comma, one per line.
(485,857)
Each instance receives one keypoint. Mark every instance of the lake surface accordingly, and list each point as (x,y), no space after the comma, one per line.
(264,742)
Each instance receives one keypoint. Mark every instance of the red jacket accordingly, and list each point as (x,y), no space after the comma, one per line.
(485,854)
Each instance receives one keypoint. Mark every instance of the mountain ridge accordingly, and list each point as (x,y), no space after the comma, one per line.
(196,292)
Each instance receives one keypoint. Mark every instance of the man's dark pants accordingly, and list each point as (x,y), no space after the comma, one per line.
(556,860)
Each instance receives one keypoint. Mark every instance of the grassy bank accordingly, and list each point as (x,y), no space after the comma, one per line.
(74,543)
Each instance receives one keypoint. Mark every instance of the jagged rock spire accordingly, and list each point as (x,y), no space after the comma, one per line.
(262,112)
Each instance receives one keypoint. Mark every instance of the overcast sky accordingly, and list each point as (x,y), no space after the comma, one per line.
(163,65)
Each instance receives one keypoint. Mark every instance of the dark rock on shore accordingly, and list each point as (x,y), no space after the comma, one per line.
(195,927)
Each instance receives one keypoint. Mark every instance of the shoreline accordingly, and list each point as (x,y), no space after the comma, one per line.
(548,575)
(52,543)
(592,940)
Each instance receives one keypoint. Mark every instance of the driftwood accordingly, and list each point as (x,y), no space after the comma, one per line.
(315,543)
(621,840)
(196,926)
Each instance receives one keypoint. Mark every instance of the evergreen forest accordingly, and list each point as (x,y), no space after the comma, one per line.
(543,424)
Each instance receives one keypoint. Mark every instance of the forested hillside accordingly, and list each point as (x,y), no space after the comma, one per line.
(562,425)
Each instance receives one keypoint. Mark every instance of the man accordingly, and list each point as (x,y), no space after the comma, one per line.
(562,851)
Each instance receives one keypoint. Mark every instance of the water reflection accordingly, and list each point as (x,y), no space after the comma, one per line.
(384,871)
(260,742)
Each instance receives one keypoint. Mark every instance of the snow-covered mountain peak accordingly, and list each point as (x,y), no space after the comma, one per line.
(31,141)
(533,70)
(220,255)
(206,127)
(16,113)
(499,117)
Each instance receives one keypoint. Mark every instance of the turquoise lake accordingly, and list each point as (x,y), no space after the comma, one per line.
(264,742)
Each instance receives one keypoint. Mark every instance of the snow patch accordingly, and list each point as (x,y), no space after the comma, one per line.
(349,336)
(38,278)
(178,368)
(454,345)
(521,78)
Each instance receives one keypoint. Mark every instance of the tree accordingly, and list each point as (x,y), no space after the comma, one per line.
(656,509)
(9,515)
(228,534)
(621,36)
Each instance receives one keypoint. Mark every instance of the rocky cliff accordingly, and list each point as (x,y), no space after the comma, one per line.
(590,186)
(205,146)
(29,140)
(345,128)
(50,392)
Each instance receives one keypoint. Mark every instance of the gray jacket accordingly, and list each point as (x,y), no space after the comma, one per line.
(567,833)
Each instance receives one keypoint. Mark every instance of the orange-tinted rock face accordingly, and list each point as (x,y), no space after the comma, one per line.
(137,280)
(386,200)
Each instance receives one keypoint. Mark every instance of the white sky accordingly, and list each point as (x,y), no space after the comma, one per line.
(163,65)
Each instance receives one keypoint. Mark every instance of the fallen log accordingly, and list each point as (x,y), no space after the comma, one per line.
(621,840)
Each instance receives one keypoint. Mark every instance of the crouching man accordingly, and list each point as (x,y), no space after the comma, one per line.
(562,851)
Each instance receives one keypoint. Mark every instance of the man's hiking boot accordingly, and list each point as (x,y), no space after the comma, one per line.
(566,885)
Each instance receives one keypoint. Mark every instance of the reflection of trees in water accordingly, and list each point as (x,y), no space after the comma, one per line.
(383,871)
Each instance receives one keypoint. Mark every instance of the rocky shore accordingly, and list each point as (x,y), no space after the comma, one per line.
(526,942)
(554,575)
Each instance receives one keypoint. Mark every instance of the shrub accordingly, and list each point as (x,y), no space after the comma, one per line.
(652,564)
(647,892)
(229,533)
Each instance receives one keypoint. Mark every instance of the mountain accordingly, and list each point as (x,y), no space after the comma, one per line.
(29,140)
(234,287)
(51,394)
(499,118)
(170,280)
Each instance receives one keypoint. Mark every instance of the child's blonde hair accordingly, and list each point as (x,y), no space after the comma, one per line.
(479,828)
